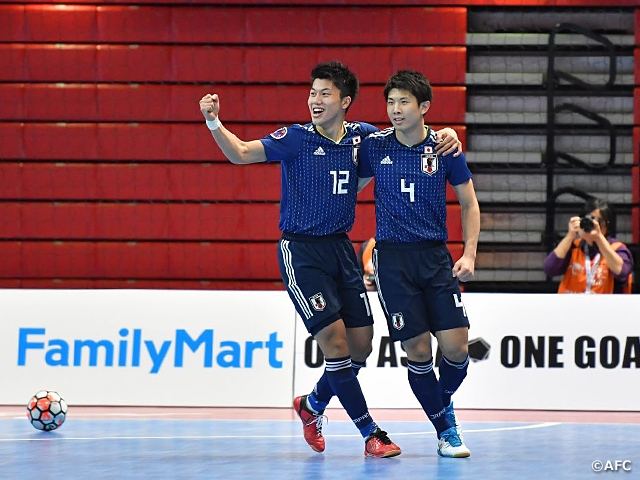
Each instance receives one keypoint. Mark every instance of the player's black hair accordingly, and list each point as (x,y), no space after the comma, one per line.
(343,78)
(412,82)
(606,212)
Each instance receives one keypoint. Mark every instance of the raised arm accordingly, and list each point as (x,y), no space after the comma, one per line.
(236,150)
(563,247)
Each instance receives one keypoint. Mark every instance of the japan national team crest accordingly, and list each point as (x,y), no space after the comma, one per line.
(397,320)
(280,133)
(318,302)
(429,162)
(356,147)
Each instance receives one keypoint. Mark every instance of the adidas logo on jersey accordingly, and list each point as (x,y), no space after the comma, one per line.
(386,161)
(319,151)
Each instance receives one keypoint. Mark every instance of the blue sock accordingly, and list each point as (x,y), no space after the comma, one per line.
(322,391)
(451,376)
(427,390)
(345,384)
(357,366)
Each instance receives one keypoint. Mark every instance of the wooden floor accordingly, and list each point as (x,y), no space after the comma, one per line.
(240,443)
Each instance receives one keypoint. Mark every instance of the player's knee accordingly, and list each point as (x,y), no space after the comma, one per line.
(335,347)
(456,353)
(419,353)
(361,352)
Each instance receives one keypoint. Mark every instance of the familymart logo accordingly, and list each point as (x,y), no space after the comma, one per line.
(133,349)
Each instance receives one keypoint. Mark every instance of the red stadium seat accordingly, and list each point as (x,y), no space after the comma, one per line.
(205,24)
(293,64)
(133,24)
(635,192)
(178,103)
(24,62)
(12,23)
(60,23)
(11,146)
(61,141)
(123,142)
(635,211)
(49,102)
(145,182)
(139,63)
(152,284)
(140,221)
(139,260)
(135,141)
(60,63)
(325,25)
(456,250)
(13,62)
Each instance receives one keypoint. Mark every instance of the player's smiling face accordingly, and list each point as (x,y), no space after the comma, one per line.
(403,110)
(325,105)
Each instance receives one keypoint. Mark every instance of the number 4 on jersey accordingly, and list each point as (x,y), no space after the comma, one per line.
(409,189)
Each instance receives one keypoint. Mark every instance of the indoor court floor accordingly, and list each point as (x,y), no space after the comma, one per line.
(227,443)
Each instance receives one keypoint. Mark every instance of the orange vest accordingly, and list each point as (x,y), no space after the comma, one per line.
(575,278)
(367,253)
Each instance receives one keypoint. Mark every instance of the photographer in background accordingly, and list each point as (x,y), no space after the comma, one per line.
(589,256)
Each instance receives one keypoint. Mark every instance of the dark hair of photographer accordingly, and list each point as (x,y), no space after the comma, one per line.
(589,257)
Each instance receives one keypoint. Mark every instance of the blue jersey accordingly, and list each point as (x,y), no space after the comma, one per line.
(319,177)
(410,186)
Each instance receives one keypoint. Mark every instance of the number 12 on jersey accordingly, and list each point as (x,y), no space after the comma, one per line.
(340,181)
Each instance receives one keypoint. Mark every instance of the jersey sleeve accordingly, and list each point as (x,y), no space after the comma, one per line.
(282,144)
(364,163)
(457,170)
(368,129)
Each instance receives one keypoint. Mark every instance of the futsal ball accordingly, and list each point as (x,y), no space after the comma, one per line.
(46,410)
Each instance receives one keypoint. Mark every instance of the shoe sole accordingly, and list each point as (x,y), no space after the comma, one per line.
(457,455)
(392,453)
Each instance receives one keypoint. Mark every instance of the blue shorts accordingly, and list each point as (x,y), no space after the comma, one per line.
(417,289)
(324,281)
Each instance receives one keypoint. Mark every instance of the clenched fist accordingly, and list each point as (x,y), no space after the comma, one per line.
(210,106)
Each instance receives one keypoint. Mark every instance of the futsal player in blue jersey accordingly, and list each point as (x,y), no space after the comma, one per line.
(317,260)
(416,277)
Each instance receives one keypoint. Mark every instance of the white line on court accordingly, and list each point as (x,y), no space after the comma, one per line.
(45,438)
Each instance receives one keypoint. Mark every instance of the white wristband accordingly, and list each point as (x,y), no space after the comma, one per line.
(214,124)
